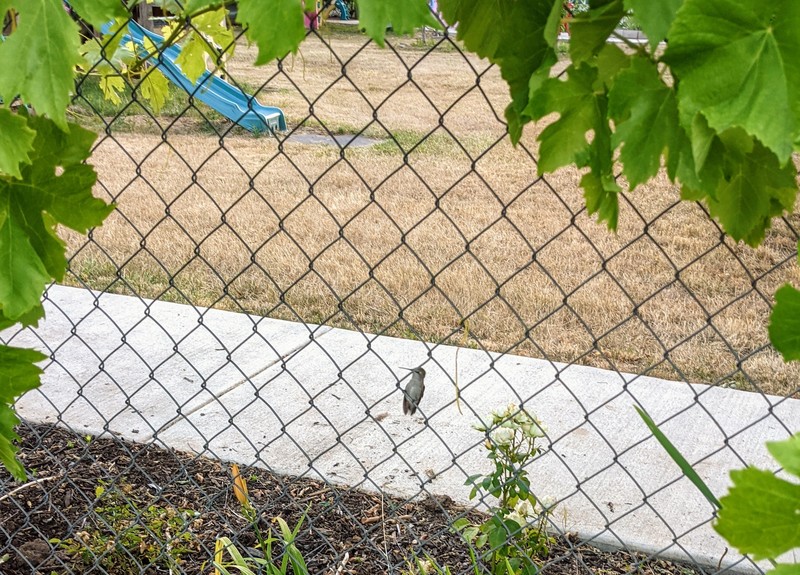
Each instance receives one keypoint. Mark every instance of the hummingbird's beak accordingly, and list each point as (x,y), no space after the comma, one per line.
(408,368)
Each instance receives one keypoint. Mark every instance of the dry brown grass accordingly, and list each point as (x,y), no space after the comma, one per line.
(415,245)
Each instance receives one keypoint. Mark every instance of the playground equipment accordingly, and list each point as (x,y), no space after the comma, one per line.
(313,18)
(341,7)
(225,98)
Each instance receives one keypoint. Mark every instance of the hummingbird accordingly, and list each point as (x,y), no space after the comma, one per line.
(414,390)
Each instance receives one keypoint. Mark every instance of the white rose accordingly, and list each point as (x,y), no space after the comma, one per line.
(524,508)
(533,429)
(502,435)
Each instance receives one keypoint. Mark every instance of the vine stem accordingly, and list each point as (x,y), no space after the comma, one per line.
(30,484)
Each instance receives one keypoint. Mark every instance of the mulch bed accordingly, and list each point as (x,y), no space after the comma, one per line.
(108,506)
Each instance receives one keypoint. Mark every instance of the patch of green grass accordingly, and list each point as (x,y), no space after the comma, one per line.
(438,143)
(89,99)
(434,43)
(132,113)
(337,129)
(122,534)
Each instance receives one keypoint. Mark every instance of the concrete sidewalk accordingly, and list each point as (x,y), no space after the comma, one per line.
(309,400)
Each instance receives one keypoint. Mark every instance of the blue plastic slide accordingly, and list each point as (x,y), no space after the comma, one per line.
(343,12)
(212,90)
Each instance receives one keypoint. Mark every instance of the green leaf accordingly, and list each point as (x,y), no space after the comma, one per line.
(589,30)
(553,26)
(402,15)
(16,141)
(23,274)
(738,61)
(112,87)
(645,113)
(37,59)
(787,453)
(56,188)
(759,515)
(497,537)
(578,105)
(700,133)
(275,27)
(676,456)
(785,569)
(460,523)
(654,17)
(32,317)
(191,60)
(206,36)
(610,61)
(154,87)
(784,323)
(582,107)
(601,194)
(754,189)
(98,12)
(18,374)
(470,533)
(511,34)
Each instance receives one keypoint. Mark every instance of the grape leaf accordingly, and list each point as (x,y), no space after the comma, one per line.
(18,374)
(787,453)
(38,58)
(600,191)
(112,87)
(32,317)
(589,30)
(785,569)
(16,141)
(759,514)
(512,34)
(754,188)
(23,274)
(576,101)
(207,35)
(55,188)
(784,323)
(191,60)
(402,15)
(582,107)
(701,134)
(98,12)
(276,27)
(154,87)
(738,61)
(645,113)
(654,17)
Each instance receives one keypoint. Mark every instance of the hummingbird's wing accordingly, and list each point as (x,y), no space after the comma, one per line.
(408,407)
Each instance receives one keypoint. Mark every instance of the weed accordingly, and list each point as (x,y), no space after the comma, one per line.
(125,534)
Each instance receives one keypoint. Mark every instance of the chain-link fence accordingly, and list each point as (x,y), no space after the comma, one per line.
(253,298)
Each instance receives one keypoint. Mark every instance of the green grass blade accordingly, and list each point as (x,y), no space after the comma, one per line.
(676,456)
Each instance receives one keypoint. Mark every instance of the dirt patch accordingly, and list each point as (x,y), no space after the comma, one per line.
(135,508)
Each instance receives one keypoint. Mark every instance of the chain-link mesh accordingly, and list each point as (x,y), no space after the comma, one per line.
(394,205)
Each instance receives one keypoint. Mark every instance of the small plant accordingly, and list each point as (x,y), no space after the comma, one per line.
(429,566)
(291,555)
(128,536)
(514,536)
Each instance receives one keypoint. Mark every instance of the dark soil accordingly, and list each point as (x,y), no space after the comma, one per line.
(108,506)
